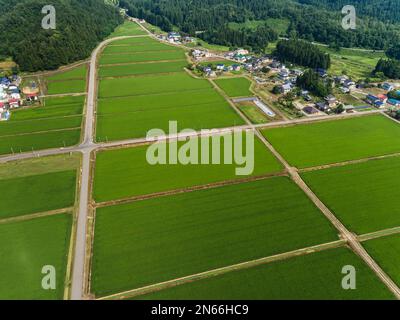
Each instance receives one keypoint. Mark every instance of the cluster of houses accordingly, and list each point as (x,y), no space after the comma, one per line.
(211,71)
(176,38)
(346,84)
(11,95)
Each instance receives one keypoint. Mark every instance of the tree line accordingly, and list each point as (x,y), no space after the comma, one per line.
(313,20)
(80,25)
(302,53)
(256,40)
(311,81)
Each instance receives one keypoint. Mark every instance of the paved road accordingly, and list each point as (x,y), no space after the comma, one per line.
(88,145)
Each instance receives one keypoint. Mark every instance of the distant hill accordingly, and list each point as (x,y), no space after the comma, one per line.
(80,25)
(378,26)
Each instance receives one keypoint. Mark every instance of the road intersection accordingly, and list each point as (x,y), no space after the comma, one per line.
(89,145)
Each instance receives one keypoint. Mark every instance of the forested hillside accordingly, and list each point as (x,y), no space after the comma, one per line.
(302,53)
(80,25)
(385,10)
(313,20)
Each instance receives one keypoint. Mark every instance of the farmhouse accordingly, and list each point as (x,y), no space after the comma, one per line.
(236,67)
(387,86)
(394,102)
(371,99)
(331,100)
(174,37)
(310,110)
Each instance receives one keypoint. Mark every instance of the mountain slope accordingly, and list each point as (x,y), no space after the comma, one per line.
(80,25)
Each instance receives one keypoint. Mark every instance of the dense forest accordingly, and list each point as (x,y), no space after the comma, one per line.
(313,20)
(257,39)
(302,53)
(389,67)
(311,81)
(80,25)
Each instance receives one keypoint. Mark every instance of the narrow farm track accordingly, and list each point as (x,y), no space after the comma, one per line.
(88,146)
(36,215)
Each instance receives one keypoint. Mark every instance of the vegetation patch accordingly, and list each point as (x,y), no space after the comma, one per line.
(65,87)
(363,196)
(171,54)
(138,244)
(124,173)
(235,87)
(386,251)
(335,141)
(178,82)
(142,68)
(39,141)
(137,124)
(28,246)
(37,193)
(312,277)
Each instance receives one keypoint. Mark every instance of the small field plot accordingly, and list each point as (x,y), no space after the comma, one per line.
(51,108)
(137,124)
(37,193)
(139,47)
(39,125)
(128,28)
(76,73)
(363,196)
(170,55)
(386,252)
(133,41)
(39,141)
(178,82)
(235,87)
(312,277)
(142,68)
(55,123)
(28,246)
(124,173)
(138,244)
(65,87)
(65,82)
(336,141)
(158,101)
(252,112)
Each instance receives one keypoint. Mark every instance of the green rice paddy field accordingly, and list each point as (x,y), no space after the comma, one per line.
(312,277)
(386,251)
(28,246)
(177,82)
(142,68)
(171,54)
(235,87)
(39,141)
(158,101)
(363,196)
(54,124)
(138,244)
(128,29)
(328,142)
(65,87)
(66,82)
(132,41)
(124,173)
(136,124)
(75,73)
(138,47)
(37,193)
